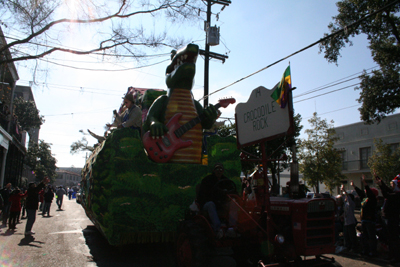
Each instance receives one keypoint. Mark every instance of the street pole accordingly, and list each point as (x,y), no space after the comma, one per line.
(207,55)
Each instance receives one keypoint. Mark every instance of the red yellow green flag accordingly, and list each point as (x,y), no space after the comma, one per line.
(281,93)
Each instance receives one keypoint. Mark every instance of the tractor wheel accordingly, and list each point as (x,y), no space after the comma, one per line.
(192,249)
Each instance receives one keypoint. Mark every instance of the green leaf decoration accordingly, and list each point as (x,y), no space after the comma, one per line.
(132,199)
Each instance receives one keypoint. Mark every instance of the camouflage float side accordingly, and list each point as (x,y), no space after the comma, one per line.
(131,199)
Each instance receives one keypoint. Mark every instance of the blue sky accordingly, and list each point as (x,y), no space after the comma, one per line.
(254,34)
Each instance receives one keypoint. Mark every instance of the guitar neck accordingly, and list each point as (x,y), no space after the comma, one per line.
(190,124)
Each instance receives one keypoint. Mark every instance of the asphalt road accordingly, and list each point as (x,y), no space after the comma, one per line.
(68,239)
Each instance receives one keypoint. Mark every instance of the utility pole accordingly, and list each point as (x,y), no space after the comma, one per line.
(207,54)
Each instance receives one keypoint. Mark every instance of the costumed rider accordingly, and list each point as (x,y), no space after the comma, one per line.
(210,199)
(132,116)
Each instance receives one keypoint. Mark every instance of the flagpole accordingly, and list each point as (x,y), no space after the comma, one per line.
(294,166)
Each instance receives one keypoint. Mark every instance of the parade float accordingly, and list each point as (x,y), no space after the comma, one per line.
(136,189)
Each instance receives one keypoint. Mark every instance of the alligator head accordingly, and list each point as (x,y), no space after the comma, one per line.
(180,73)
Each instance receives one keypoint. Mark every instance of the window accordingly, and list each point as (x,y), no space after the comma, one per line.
(394,147)
(364,131)
(392,126)
(342,153)
(365,153)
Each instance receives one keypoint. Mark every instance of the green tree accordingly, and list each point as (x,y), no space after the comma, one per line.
(380,89)
(41,161)
(385,161)
(28,114)
(228,130)
(276,148)
(81,146)
(121,26)
(319,160)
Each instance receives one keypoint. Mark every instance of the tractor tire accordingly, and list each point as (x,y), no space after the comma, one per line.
(192,248)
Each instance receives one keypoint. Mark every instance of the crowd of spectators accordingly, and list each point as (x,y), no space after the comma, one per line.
(378,224)
(15,203)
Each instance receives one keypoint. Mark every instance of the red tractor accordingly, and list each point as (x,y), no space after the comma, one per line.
(272,230)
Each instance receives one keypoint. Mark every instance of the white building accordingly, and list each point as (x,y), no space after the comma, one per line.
(356,144)
(68,177)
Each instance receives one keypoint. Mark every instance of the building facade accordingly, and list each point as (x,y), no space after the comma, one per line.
(68,177)
(12,152)
(356,144)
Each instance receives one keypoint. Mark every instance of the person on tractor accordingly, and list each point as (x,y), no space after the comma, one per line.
(212,197)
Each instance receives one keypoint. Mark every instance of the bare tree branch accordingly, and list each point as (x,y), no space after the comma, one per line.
(118,38)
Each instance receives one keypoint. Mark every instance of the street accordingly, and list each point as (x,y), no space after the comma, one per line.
(68,239)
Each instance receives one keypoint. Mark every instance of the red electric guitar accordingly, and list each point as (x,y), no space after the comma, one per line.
(161,150)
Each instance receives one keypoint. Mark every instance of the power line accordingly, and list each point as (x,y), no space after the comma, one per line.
(314,90)
(78,68)
(305,48)
(335,110)
(83,112)
(332,84)
(60,86)
(326,93)
(322,88)
(80,90)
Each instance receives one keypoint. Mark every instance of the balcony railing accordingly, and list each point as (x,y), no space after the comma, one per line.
(355,165)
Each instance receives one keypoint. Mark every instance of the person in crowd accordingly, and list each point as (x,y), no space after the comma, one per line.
(41,199)
(350,222)
(339,218)
(23,205)
(286,191)
(60,195)
(32,204)
(48,199)
(15,207)
(5,194)
(368,217)
(210,199)
(132,116)
(246,187)
(70,191)
(391,213)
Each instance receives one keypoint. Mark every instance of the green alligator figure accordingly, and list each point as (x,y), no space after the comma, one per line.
(180,76)
(132,199)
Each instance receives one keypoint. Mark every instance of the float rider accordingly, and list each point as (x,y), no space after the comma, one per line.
(210,200)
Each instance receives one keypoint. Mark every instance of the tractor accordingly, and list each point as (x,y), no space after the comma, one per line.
(271,230)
